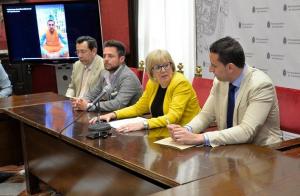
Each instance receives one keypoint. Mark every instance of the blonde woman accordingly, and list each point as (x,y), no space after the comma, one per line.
(169,97)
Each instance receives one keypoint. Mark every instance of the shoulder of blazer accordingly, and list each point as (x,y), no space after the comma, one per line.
(77,67)
(98,60)
(177,79)
(123,72)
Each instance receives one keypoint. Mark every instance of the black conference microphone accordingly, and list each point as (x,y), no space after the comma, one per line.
(98,98)
(99,129)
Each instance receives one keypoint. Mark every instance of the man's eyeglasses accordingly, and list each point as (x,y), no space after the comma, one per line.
(158,68)
(81,51)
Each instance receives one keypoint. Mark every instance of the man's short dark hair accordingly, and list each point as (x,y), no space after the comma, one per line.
(117,44)
(229,51)
(92,43)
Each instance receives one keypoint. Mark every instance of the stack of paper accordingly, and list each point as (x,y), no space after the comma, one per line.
(169,142)
(118,123)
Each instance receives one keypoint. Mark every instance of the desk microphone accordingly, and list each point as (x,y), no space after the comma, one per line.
(99,128)
(97,99)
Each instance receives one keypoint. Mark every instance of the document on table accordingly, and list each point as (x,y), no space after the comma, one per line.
(118,123)
(169,142)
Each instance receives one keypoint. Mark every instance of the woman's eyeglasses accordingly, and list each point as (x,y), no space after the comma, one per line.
(158,68)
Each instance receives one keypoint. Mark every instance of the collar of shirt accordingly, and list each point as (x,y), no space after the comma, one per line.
(110,77)
(88,67)
(237,82)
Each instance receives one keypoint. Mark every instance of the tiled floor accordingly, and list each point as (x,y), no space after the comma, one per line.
(8,188)
(15,185)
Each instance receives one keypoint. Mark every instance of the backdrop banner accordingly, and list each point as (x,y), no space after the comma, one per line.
(268,30)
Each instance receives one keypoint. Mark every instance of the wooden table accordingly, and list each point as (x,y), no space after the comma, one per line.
(253,171)
(57,152)
(10,138)
(65,165)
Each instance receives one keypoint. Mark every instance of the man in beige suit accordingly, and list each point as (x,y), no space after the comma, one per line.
(254,117)
(86,70)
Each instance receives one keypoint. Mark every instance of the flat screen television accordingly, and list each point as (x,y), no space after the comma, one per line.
(46,32)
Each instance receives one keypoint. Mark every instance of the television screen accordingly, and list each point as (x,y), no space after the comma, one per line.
(47,32)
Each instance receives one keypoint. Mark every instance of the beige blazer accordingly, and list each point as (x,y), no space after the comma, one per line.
(256,112)
(76,78)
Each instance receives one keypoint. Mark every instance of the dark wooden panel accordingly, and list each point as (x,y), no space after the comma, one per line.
(73,171)
(10,141)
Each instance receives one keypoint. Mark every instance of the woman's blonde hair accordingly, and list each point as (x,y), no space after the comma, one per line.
(158,57)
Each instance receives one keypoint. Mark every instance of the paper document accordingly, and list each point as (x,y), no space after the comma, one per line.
(169,142)
(118,123)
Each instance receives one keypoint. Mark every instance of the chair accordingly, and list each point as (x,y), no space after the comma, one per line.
(138,73)
(201,85)
(144,79)
(289,106)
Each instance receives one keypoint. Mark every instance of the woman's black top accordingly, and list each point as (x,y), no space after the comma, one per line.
(157,104)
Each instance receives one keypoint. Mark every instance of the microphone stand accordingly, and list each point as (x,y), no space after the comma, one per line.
(99,129)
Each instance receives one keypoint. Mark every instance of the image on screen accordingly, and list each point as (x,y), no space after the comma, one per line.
(46,32)
(51,23)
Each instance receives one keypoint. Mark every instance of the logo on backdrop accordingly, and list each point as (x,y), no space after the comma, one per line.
(275,25)
(260,9)
(290,74)
(291,8)
(291,41)
(284,7)
(284,40)
(245,25)
(278,57)
(284,72)
(260,40)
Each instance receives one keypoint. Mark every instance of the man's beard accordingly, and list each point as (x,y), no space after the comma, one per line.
(113,69)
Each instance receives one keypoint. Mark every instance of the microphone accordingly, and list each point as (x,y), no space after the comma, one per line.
(97,99)
(99,129)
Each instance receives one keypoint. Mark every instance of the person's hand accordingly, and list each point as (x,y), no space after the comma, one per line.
(79,104)
(171,127)
(131,127)
(106,117)
(183,136)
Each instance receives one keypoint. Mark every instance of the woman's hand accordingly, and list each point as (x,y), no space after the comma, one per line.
(131,127)
(106,117)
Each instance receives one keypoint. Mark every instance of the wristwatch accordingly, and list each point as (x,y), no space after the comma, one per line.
(146,125)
